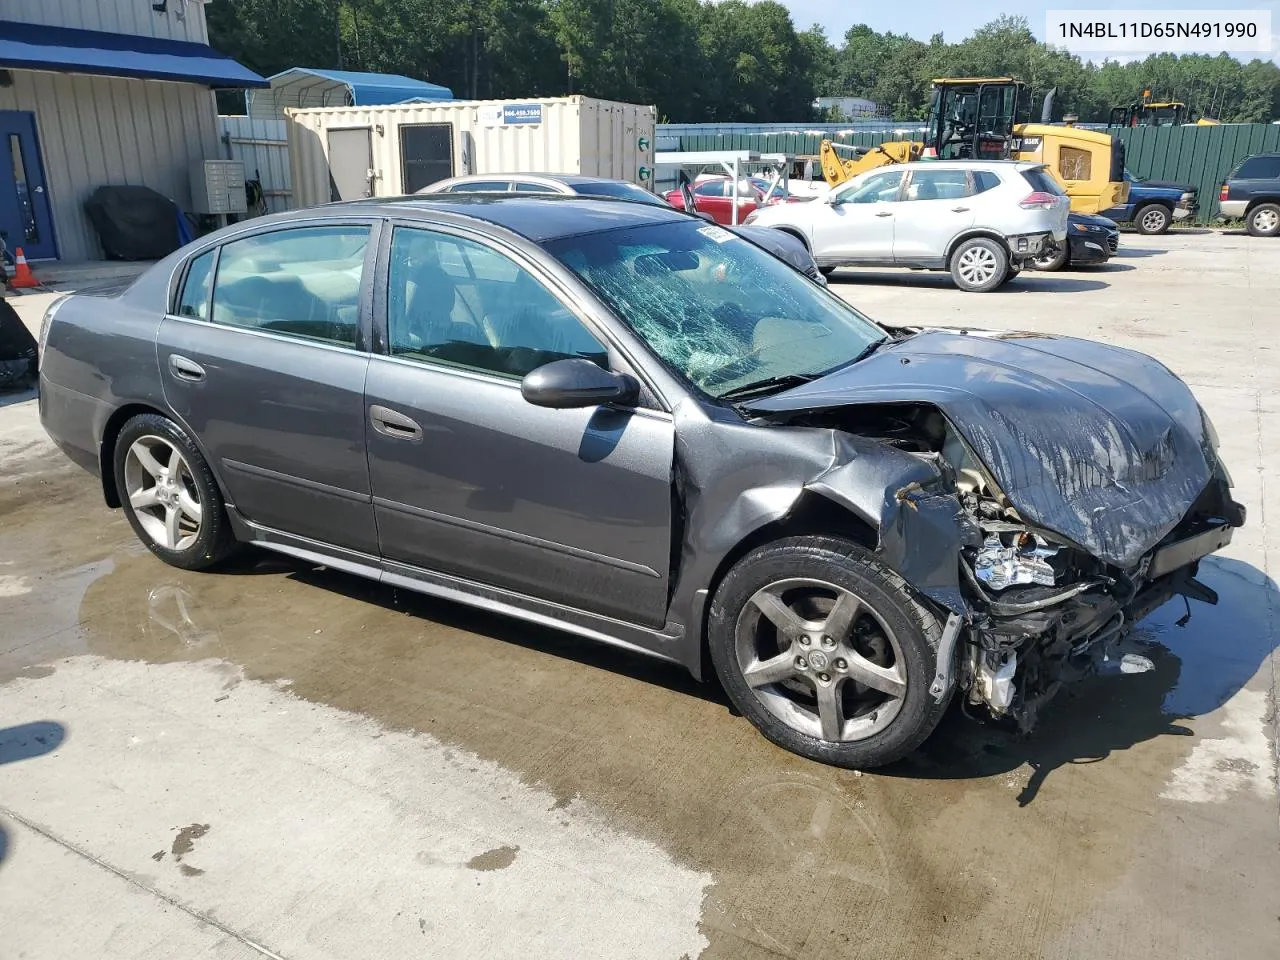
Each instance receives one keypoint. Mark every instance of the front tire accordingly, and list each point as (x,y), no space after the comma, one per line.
(826,651)
(1264,220)
(1153,219)
(169,494)
(979,265)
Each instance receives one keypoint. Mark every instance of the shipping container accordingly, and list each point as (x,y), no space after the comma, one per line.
(344,153)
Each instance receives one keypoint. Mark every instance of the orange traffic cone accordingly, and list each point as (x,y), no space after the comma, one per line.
(23,278)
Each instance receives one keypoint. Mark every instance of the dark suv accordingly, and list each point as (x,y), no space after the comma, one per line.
(1252,191)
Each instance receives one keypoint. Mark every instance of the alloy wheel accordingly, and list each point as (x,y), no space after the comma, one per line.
(977,266)
(1266,220)
(821,659)
(1153,220)
(163,492)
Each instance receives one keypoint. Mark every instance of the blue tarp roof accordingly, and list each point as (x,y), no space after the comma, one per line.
(370,89)
(33,46)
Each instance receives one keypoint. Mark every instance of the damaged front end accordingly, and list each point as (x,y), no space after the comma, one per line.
(1081,483)
(1043,613)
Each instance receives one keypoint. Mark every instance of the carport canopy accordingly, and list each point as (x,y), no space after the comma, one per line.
(308,87)
(30,46)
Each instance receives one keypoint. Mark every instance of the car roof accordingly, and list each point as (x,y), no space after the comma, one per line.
(539,217)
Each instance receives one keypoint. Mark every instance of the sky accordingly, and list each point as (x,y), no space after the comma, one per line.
(956,20)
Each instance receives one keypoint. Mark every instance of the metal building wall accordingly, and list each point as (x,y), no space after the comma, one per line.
(263,147)
(184,20)
(109,130)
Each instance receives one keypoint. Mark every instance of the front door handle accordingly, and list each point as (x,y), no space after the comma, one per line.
(392,424)
(884,213)
(185,369)
(959,209)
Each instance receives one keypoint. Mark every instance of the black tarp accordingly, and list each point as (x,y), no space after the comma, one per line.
(133,223)
(17,350)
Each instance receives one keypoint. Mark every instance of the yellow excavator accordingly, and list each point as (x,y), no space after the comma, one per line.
(978,118)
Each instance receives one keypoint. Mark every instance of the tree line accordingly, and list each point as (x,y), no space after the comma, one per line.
(704,61)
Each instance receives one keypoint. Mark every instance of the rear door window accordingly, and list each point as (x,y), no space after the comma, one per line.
(984,180)
(482,186)
(937,185)
(526,187)
(303,282)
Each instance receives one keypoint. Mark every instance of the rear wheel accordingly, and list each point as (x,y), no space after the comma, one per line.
(1264,220)
(169,494)
(979,265)
(1153,219)
(1053,261)
(826,651)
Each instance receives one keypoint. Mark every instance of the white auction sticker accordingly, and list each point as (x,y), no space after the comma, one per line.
(1159,31)
(718,234)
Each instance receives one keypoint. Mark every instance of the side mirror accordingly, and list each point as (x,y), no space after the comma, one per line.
(833,199)
(573,383)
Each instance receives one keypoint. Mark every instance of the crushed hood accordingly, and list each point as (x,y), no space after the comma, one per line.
(1102,445)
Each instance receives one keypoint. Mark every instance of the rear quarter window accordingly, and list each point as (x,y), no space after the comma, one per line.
(1258,168)
(1043,181)
(984,180)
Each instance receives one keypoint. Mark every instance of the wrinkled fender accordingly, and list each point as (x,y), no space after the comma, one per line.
(733,478)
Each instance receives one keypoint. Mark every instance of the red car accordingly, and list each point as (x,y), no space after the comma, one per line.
(714,195)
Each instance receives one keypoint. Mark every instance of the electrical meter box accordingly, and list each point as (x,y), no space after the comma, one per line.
(217,186)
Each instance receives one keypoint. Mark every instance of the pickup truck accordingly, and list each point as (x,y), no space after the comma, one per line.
(1154,204)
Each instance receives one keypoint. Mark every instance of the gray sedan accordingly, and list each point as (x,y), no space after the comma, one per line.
(634,425)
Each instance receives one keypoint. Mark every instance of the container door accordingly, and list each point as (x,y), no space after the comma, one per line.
(350,164)
(25,217)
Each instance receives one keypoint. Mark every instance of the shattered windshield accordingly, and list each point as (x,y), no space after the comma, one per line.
(717,308)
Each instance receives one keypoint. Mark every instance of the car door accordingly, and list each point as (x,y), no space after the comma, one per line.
(264,359)
(469,479)
(935,208)
(713,197)
(857,223)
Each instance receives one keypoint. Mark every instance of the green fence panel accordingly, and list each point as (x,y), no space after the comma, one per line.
(1197,155)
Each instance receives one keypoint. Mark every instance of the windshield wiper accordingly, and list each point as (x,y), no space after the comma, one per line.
(768,385)
(868,350)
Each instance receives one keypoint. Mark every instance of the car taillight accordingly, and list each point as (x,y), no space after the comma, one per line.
(1039,201)
(1222,194)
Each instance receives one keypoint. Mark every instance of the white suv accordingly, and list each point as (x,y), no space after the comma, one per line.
(981,220)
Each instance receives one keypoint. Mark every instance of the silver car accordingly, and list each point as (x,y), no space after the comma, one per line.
(981,220)
(631,424)
(785,247)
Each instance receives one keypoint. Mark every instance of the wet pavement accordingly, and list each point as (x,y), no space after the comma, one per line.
(282,760)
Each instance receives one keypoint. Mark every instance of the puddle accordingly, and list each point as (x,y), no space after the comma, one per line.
(975,832)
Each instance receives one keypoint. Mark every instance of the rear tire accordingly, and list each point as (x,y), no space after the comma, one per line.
(170,495)
(1264,220)
(803,687)
(1153,219)
(979,265)
(1055,261)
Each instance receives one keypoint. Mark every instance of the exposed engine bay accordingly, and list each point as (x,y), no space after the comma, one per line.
(1041,609)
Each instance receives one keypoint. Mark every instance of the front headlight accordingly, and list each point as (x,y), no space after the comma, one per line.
(1084,227)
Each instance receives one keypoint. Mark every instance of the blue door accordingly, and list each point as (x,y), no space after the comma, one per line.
(25,218)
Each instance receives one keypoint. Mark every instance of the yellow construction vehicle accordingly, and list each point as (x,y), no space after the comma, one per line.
(978,118)
(1148,112)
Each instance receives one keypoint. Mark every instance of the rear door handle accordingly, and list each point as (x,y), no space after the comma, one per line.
(185,369)
(392,424)
(884,213)
(959,209)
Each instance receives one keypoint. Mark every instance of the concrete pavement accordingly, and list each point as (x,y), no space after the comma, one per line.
(282,760)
